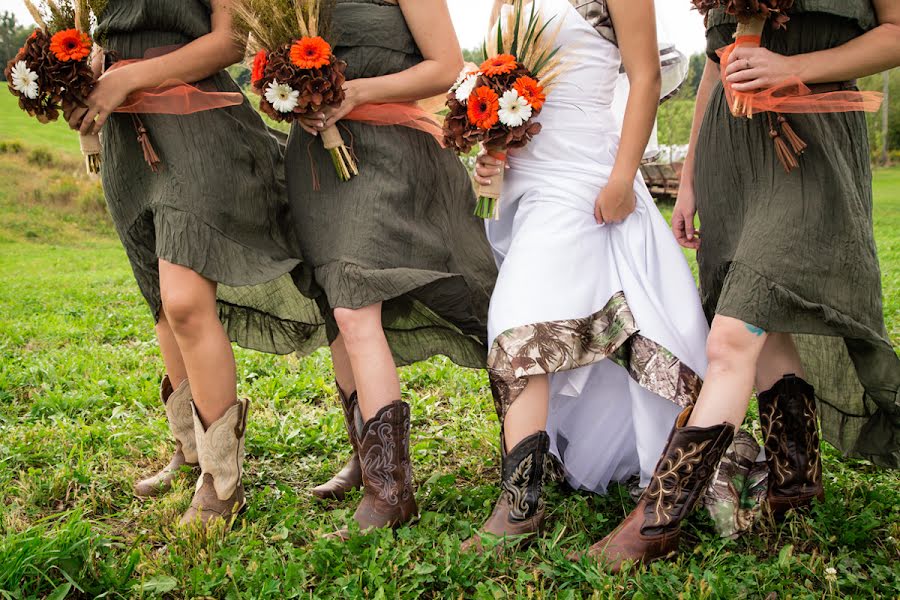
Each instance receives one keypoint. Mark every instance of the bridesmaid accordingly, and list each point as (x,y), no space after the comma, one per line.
(789,273)
(402,269)
(209,216)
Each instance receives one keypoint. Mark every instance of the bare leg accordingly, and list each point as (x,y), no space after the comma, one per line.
(171,353)
(189,302)
(343,369)
(733,349)
(528,414)
(370,356)
(779,357)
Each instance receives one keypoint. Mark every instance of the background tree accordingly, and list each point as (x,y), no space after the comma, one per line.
(12,36)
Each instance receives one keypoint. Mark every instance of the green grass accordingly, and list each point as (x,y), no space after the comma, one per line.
(15,124)
(80,421)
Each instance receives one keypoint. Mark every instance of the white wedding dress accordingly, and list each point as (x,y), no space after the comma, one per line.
(611,312)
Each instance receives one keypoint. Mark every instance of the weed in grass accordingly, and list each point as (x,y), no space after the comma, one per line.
(40,157)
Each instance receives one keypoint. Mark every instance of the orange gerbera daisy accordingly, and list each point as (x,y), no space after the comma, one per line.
(259,66)
(311,53)
(70,44)
(531,90)
(484,107)
(499,65)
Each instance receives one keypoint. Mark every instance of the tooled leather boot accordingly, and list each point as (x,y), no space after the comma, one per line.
(683,473)
(787,413)
(388,495)
(220,448)
(350,477)
(181,424)
(519,512)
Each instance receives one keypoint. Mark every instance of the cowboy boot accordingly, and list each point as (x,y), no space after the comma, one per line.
(181,424)
(787,413)
(683,473)
(350,477)
(388,498)
(219,493)
(519,512)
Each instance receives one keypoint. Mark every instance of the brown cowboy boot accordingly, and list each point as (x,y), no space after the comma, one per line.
(683,473)
(350,477)
(220,493)
(181,424)
(519,512)
(787,413)
(388,498)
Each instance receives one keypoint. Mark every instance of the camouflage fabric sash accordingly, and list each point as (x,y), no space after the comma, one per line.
(596,13)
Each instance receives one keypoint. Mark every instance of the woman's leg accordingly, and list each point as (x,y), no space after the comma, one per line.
(370,358)
(733,349)
(171,353)
(779,357)
(528,414)
(343,369)
(189,303)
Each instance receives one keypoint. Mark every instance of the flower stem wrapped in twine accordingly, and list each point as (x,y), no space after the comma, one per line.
(488,206)
(344,162)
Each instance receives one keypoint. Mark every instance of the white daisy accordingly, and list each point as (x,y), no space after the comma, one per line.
(514,109)
(282,97)
(467,86)
(459,80)
(24,80)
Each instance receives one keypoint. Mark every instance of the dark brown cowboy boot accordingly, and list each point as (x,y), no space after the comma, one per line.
(350,477)
(220,493)
(787,413)
(181,424)
(388,497)
(519,512)
(683,473)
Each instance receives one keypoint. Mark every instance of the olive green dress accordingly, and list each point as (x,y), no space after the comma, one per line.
(218,205)
(795,252)
(402,232)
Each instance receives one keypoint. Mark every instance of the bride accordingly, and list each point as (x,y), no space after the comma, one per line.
(588,361)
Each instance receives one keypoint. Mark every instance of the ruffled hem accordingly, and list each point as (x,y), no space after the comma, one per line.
(611,333)
(425,313)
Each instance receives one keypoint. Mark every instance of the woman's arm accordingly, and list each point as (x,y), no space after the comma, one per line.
(635,23)
(198,60)
(686,207)
(875,51)
(431,26)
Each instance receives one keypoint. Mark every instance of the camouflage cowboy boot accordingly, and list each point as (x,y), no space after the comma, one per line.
(787,413)
(181,424)
(350,477)
(388,497)
(684,471)
(220,448)
(519,512)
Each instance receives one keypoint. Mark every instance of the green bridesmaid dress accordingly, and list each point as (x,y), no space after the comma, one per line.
(402,232)
(795,253)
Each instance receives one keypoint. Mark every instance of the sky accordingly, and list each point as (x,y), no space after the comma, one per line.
(677,23)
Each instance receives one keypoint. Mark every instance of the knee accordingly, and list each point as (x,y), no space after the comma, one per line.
(356,325)
(182,310)
(728,346)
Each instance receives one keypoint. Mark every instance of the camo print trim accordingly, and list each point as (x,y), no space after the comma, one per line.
(739,486)
(557,346)
(596,13)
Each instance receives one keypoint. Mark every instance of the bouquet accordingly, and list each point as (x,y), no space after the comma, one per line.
(751,16)
(53,67)
(497,103)
(294,71)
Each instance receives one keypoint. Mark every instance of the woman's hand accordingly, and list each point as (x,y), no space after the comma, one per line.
(615,202)
(683,218)
(486,166)
(354,96)
(109,94)
(751,69)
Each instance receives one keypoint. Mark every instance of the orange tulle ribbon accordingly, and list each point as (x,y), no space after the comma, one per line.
(792,96)
(408,114)
(173,97)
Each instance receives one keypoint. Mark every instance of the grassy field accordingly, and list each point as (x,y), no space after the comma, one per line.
(80,421)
